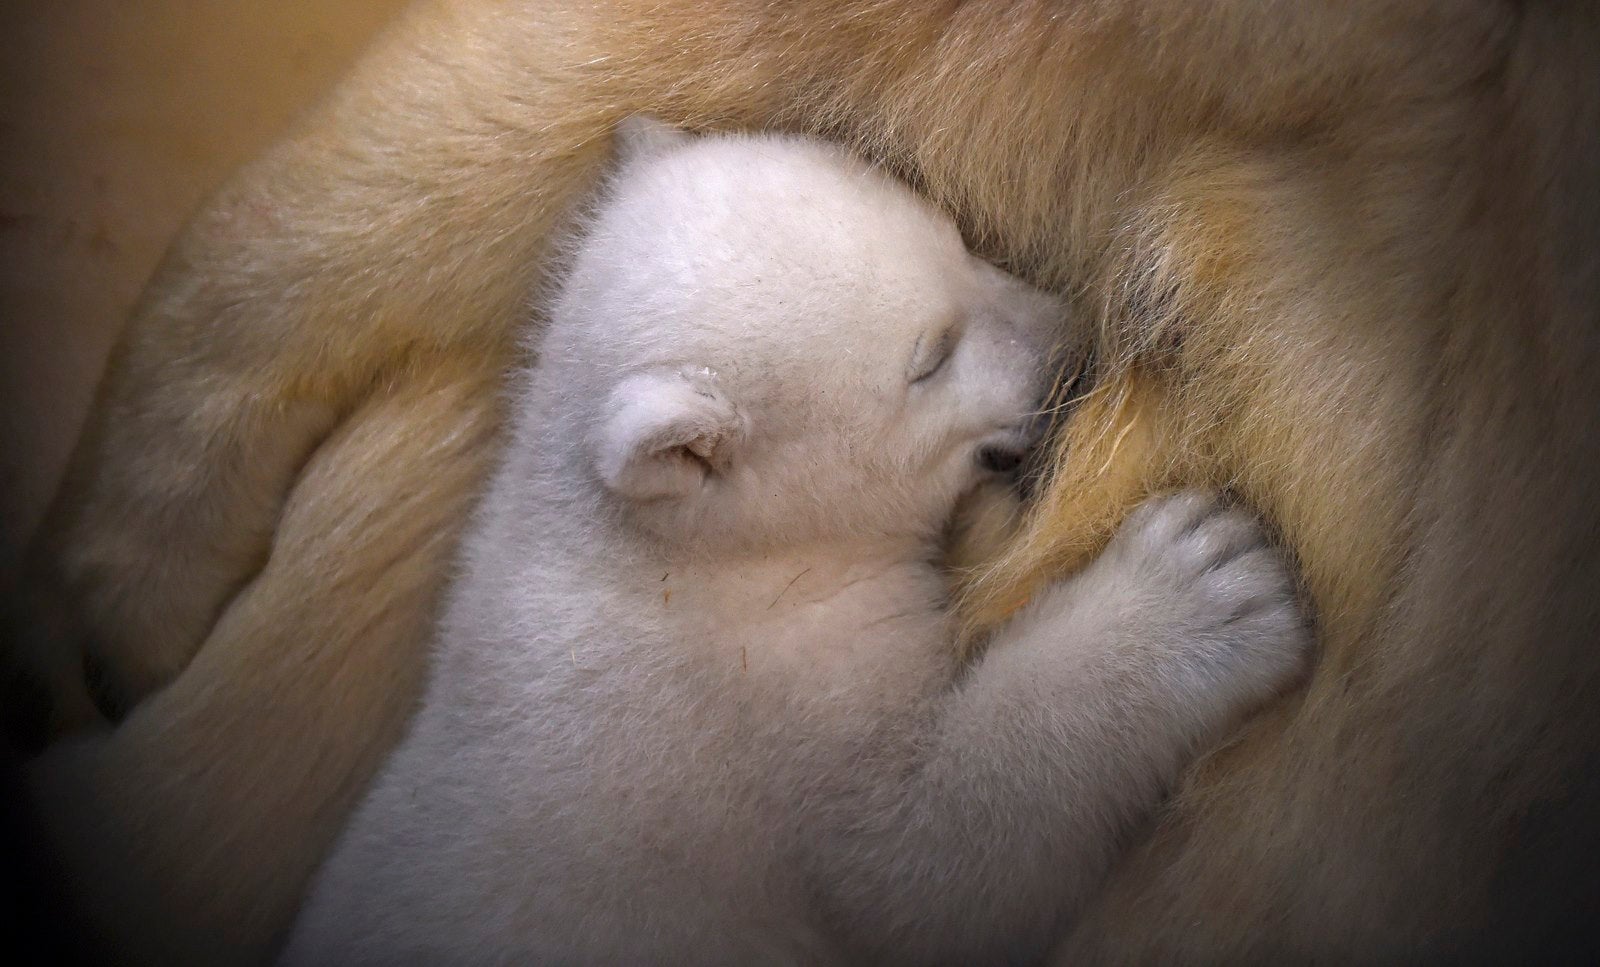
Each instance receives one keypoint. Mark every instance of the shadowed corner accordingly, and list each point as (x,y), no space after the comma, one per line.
(34,918)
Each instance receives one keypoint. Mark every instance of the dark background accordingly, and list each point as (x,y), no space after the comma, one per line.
(116,118)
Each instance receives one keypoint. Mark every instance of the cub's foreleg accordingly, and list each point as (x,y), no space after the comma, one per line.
(1066,733)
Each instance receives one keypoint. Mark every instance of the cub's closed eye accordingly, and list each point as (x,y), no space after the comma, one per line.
(932,351)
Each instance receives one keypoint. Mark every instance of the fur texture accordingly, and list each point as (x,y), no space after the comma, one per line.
(1340,258)
(696,697)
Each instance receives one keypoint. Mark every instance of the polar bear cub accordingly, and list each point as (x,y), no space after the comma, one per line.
(696,697)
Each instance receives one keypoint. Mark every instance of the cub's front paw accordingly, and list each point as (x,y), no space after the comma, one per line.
(1221,598)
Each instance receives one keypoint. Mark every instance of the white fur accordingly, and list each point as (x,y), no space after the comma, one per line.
(696,696)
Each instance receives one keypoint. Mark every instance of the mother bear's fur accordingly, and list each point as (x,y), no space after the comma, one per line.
(1344,259)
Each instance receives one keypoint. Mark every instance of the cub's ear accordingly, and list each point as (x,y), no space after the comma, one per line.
(663,434)
(642,135)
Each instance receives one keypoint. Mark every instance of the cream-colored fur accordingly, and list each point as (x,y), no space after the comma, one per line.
(696,697)
(1341,258)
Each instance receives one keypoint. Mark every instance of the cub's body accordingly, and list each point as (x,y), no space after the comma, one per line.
(697,696)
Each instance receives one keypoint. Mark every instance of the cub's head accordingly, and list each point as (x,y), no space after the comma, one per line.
(762,339)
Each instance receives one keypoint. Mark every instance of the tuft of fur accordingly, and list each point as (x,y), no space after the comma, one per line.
(1350,248)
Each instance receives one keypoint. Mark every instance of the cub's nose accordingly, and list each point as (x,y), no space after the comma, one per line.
(1001,459)
(1006,452)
